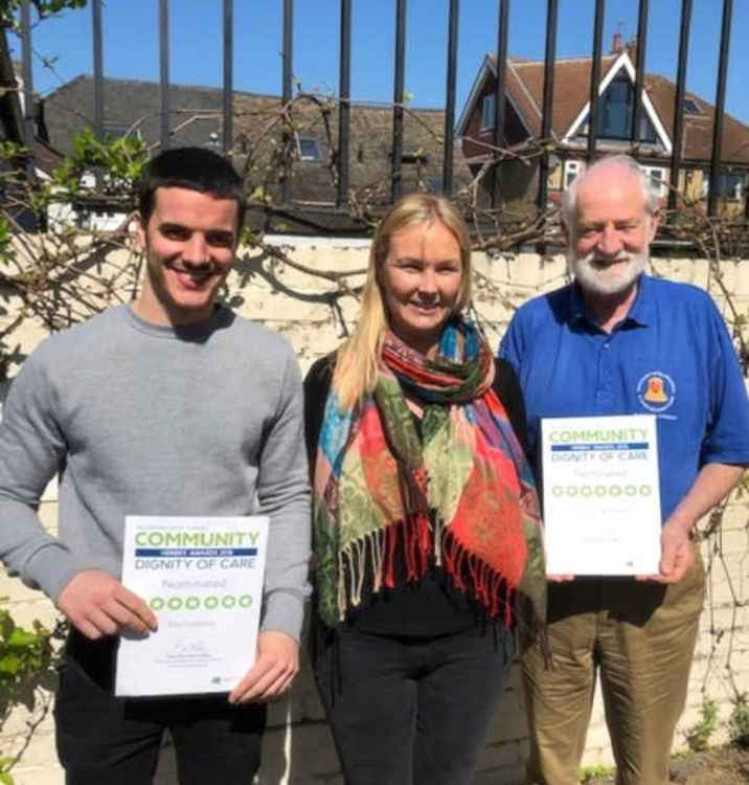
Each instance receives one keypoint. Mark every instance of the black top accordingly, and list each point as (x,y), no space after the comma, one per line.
(431,606)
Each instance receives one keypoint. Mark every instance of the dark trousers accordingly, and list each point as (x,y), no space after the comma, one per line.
(103,739)
(412,711)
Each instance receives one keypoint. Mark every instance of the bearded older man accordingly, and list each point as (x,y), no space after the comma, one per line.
(618,342)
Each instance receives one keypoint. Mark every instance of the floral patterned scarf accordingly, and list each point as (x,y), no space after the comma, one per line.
(389,502)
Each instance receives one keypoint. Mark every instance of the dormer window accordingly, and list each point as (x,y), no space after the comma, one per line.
(487,112)
(615,112)
(308,149)
(120,132)
(692,107)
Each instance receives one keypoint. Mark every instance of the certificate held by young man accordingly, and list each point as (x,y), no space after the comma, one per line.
(601,495)
(203,578)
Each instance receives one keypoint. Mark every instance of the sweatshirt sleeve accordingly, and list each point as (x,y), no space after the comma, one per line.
(283,494)
(32,451)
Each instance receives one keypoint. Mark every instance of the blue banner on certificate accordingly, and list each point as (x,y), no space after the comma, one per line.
(203,578)
(602,509)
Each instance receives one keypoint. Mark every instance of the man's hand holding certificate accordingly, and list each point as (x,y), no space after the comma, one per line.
(203,578)
(601,495)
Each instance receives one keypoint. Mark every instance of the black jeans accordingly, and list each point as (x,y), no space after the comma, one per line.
(103,739)
(412,711)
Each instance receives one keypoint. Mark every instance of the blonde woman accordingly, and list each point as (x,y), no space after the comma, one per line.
(427,538)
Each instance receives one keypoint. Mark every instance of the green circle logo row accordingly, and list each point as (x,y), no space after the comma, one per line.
(211,602)
(601,491)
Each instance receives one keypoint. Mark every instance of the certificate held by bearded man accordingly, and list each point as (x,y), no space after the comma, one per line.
(601,495)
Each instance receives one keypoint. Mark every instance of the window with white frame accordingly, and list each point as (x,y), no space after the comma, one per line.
(730,186)
(571,170)
(308,149)
(487,112)
(615,112)
(657,175)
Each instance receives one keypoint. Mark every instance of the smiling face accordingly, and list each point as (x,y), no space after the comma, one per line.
(420,282)
(189,244)
(612,232)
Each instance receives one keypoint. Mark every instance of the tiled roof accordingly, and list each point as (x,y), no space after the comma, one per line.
(197,120)
(46,158)
(525,81)
(571,90)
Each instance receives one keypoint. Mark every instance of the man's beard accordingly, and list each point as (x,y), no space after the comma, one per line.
(613,276)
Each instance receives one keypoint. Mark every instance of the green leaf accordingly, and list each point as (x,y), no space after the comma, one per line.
(10,663)
(21,638)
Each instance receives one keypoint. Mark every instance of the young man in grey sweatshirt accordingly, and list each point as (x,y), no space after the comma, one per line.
(170,406)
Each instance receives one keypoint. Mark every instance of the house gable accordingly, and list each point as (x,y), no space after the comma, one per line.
(477,89)
(471,127)
(622,65)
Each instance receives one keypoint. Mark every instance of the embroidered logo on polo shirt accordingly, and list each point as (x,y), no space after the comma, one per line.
(656,391)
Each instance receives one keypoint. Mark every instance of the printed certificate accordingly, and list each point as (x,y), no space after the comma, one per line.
(601,495)
(203,578)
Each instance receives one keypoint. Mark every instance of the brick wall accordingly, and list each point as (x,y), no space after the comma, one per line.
(298,744)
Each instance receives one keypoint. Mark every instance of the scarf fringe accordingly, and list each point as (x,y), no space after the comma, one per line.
(410,543)
(475,577)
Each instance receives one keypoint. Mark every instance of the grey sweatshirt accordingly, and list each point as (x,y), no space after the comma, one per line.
(148,420)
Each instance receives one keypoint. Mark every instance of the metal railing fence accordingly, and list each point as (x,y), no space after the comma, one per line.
(342,153)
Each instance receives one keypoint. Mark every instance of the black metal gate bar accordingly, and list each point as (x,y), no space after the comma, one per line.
(98,69)
(681,76)
(452,70)
(642,41)
(164,72)
(228,104)
(499,95)
(548,98)
(720,107)
(344,104)
(28,77)
(595,80)
(396,183)
(679,156)
(288,74)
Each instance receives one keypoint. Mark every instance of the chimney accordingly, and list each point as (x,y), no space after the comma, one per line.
(617,45)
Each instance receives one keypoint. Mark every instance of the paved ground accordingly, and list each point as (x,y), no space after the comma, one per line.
(724,766)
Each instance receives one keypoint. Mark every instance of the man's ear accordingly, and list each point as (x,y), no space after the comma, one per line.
(140,233)
(566,232)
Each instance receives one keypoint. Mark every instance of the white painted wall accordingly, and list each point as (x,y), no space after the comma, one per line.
(298,744)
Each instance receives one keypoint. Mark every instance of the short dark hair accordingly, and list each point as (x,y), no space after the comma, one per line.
(196,169)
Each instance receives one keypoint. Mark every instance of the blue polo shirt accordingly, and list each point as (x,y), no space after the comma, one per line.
(671,356)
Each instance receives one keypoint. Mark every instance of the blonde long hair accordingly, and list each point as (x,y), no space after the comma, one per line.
(357,358)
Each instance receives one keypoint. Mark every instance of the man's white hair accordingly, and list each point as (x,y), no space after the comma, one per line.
(649,191)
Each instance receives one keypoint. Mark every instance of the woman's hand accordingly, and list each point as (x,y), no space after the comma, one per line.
(274,670)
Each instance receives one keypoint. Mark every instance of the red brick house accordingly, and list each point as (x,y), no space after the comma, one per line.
(569,127)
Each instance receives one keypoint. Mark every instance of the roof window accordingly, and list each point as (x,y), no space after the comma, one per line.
(308,149)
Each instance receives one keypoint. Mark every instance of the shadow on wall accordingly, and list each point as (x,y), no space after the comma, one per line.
(298,747)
